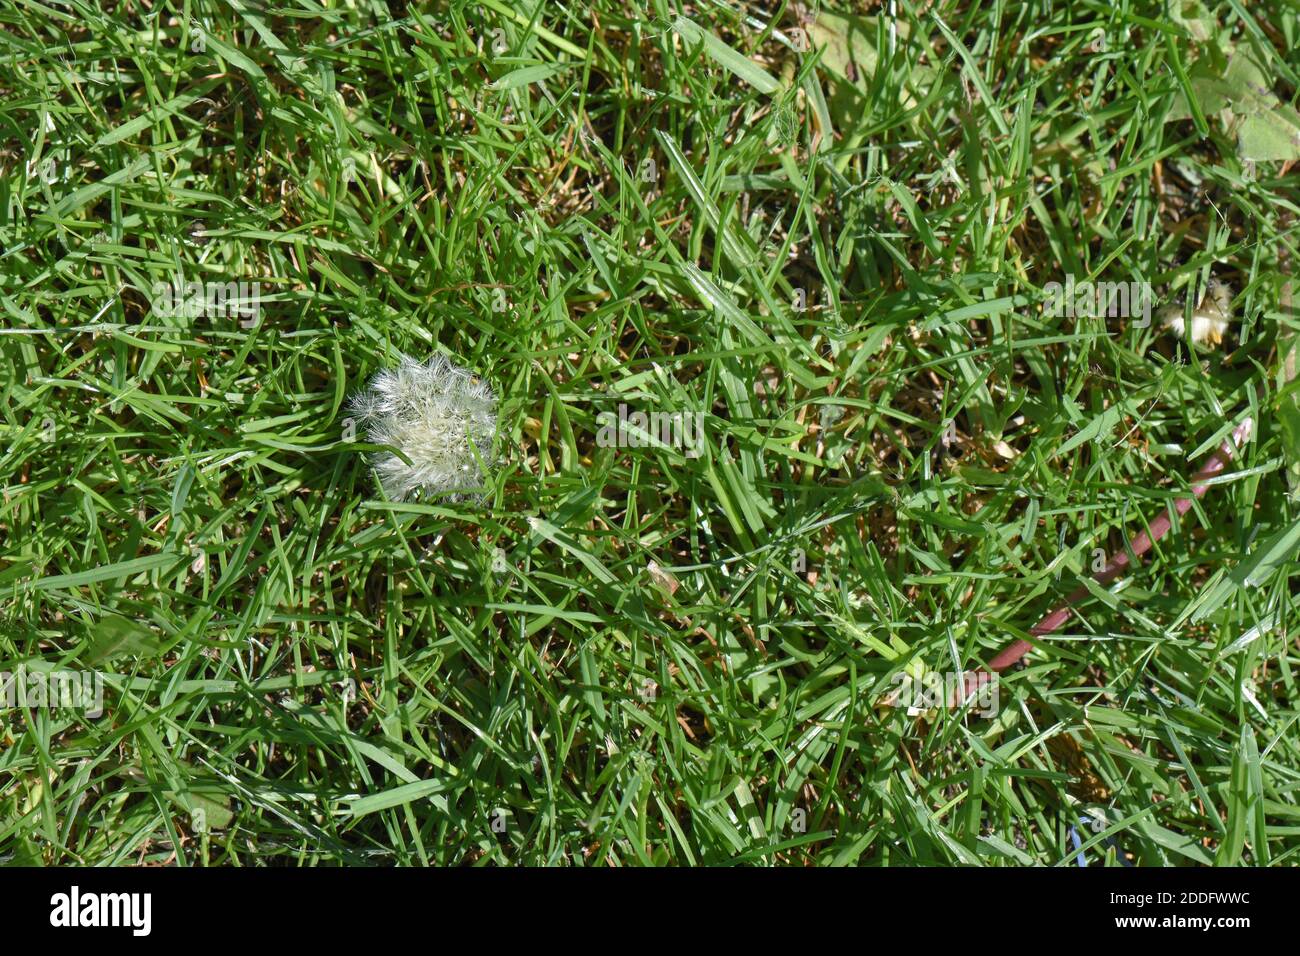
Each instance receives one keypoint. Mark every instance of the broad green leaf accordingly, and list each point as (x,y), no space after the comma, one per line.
(113,636)
(1193,17)
(1243,99)
(206,813)
(1274,135)
(849,59)
(848,45)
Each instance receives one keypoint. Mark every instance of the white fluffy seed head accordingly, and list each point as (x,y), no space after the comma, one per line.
(1211,318)
(440,416)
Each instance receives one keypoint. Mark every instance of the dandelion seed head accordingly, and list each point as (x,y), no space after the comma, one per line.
(1211,318)
(440,416)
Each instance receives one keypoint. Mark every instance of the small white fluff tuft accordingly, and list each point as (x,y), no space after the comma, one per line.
(1210,319)
(440,416)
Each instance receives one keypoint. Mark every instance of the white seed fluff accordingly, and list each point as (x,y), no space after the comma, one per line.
(440,416)
(1210,320)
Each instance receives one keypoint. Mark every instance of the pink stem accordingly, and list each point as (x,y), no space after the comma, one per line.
(1139,545)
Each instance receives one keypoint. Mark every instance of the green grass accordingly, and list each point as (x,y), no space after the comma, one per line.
(617,657)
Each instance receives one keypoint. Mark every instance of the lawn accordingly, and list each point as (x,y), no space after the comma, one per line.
(794,428)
